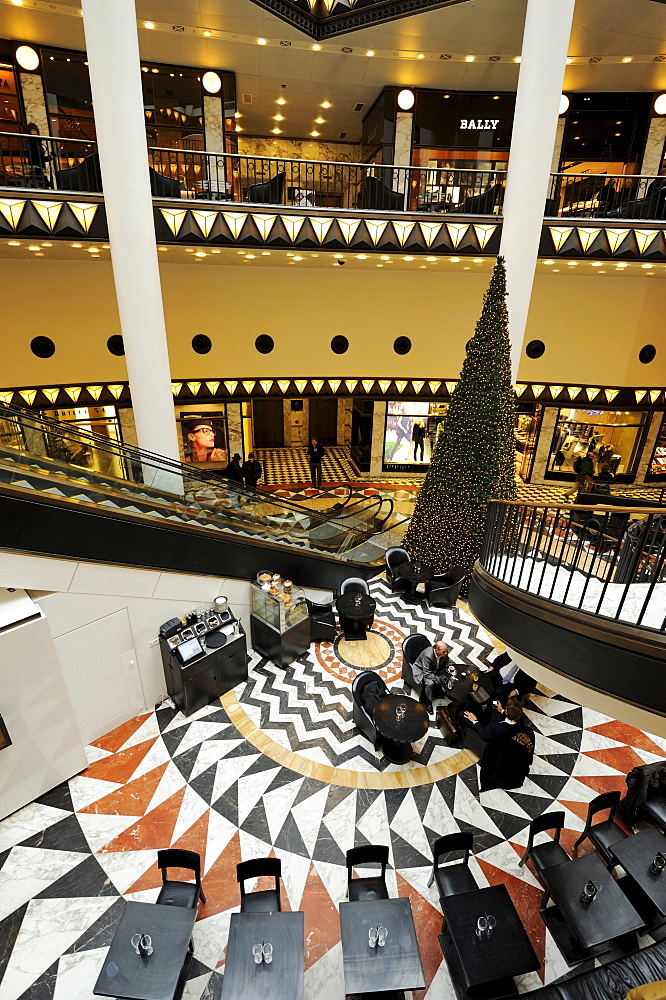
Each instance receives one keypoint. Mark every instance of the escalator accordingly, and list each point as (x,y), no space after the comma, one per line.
(67,492)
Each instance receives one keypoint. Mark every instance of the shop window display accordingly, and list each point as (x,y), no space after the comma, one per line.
(99,420)
(657,469)
(411,433)
(614,436)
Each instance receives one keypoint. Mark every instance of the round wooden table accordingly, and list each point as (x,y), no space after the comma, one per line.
(398,734)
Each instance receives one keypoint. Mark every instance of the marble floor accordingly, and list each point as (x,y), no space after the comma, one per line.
(277,768)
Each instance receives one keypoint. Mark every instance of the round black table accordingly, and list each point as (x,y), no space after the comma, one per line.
(415,572)
(355,606)
(399,734)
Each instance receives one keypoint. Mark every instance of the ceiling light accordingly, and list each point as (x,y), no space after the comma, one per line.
(264,253)
(250,256)
(280,100)
(648,266)
(361,256)
(76,246)
(469,58)
(164,249)
(495,98)
(13,243)
(278,118)
(572,263)
(370,52)
(569,61)
(618,133)
(549,262)
(276,131)
(33,248)
(317,48)
(660,105)
(297,258)
(17,3)
(93,250)
(238,128)
(216,251)
(627,59)
(314,133)
(148,24)
(478,260)
(27,58)
(431,260)
(326,104)
(406,100)
(454,260)
(597,263)
(200,253)
(207,34)
(564,104)
(261,41)
(320,120)
(47,244)
(385,257)
(420,56)
(621,265)
(338,256)
(517,59)
(408,258)
(212,83)
(380,265)
(237,114)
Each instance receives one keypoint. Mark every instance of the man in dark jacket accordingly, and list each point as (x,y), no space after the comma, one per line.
(234,474)
(503,723)
(429,669)
(251,471)
(316,456)
(584,469)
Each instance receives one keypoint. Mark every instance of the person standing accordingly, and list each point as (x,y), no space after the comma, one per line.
(251,472)
(37,157)
(418,437)
(234,474)
(316,456)
(584,469)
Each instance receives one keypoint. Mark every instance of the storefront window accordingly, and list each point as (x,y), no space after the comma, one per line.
(657,468)
(528,420)
(10,111)
(68,94)
(614,436)
(411,433)
(100,420)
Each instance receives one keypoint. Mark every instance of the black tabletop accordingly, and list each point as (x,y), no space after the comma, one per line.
(283,978)
(636,854)
(410,728)
(126,974)
(505,952)
(355,606)
(610,913)
(415,572)
(396,966)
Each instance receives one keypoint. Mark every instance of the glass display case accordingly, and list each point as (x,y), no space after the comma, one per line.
(281,611)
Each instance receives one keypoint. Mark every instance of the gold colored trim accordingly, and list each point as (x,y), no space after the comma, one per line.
(407,778)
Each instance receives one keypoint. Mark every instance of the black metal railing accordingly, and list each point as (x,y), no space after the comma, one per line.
(606,196)
(609,562)
(36,161)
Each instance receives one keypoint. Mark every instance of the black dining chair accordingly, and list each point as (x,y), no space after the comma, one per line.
(362,718)
(412,646)
(604,834)
(355,585)
(551,853)
(444,589)
(396,556)
(176,893)
(453,877)
(266,900)
(322,621)
(368,887)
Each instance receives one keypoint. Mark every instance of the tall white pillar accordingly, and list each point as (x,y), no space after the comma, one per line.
(115,78)
(543,62)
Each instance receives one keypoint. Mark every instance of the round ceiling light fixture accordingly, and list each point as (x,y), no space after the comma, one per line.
(406,100)
(27,58)
(564,104)
(212,83)
(660,105)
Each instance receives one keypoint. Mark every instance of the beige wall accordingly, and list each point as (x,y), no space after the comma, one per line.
(592,326)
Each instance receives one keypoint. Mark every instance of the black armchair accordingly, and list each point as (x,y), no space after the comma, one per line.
(87,176)
(271,192)
(374,194)
(455,877)
(604,834)
(322,621)
(173,893)
(268,900)
(484,203)
(395,557)
(444,588)
(412,646)
(369,887)
(354,585)
(362,719)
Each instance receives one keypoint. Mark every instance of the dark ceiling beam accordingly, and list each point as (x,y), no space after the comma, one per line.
(352,19)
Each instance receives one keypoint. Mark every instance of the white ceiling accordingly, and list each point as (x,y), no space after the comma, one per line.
(612,29)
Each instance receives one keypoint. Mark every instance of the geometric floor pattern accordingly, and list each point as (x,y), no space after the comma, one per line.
(276,768)
(291,465)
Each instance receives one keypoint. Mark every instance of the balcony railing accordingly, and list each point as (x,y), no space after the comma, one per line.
(37,162)
(607,562)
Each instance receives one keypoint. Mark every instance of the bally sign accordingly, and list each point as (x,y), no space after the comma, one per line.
(481,124)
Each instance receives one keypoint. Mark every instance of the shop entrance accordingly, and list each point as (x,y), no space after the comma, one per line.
(268,423)
(323,419)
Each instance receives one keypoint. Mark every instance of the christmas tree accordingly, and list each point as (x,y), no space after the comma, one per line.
(474,457)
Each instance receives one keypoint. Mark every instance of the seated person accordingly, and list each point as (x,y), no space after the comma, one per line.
(503,724)
(509,681)
(429,668)
(371,694)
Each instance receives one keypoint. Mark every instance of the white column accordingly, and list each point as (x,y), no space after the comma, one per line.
(115,77)
(543,61)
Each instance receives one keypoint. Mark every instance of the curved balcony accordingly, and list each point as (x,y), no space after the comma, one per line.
(580,590)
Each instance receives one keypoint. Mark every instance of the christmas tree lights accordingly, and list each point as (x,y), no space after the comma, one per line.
(474,457)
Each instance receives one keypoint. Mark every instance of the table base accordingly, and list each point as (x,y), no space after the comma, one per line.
(397,753)
(566,940)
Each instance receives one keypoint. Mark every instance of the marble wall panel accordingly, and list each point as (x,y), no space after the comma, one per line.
(654,146)
(297,149)
(557,148)
(344,422)
(543,444)
(377,449)
(650,441)
(32,92)
(213,123)
(235,428)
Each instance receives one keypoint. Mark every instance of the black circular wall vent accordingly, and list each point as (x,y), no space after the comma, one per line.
(264,344)
(43,347)
(115,345)
(201,344)
(647,354)
(535,349)
(339,344)
(402,345)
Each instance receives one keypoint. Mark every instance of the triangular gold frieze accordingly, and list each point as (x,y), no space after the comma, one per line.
(537,389)
(213,387)
(559,235)
(348,228)
(483,234)
(654,395)
(205,221)
(384,384)
(450,387)
(640,395)
(248,386)
(317,384)
(334,384)
(95,391)
(117,390)
(28,395)
(84,213)
(430,231)
(73,391)
(573,390)
(293,224)
(6,397)
(587,237)
(611,394)
(321,228)
(301,384)
(520,388)
(403,231)
(351,384)
(401,386)
(367,384)
(375,229)
(11,209)
(283,385)
(48,211)
(266,385)
(434,387)
(174,218)
(456,232)
(51,394)
(555,390)
(264,224)
(645,238)
(175,387)
(417,386)
(235,221)
(591,393)
(616,238)
(231,387)
(194,387)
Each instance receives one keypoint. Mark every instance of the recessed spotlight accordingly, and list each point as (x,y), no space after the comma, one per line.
(47,244)
(572,263)
(338,256)
(569,61)
(317,48)
(39,255)
(431,260)
(621,265)
(421,55)
(646,266)
(548,262)
(280,100)
(200,253)
(478,260)
(33,248)
(370,52)
(326,104)
(627,59)
(517,59)
(93,250)
(13,243)
(314,254)
(261,41)
(276,131)
(216,251)
(495,98)
(237,114)
(361,256)
(164,249)
(320,120)
(76,246)
(264,253)
(470,58)
(148,24)
(207,34)
(618,133)
(380,265)
(385,257)
(290,253)
(17,3)
(250,256)
(238,128)
(408,258)
(454,260)
(297,258)
(597,263)
(422,267)
(314,133)
(278,118)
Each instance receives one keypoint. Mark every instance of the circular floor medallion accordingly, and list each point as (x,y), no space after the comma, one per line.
(371,653)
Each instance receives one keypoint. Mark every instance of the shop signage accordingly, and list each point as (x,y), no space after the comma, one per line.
(481,124)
